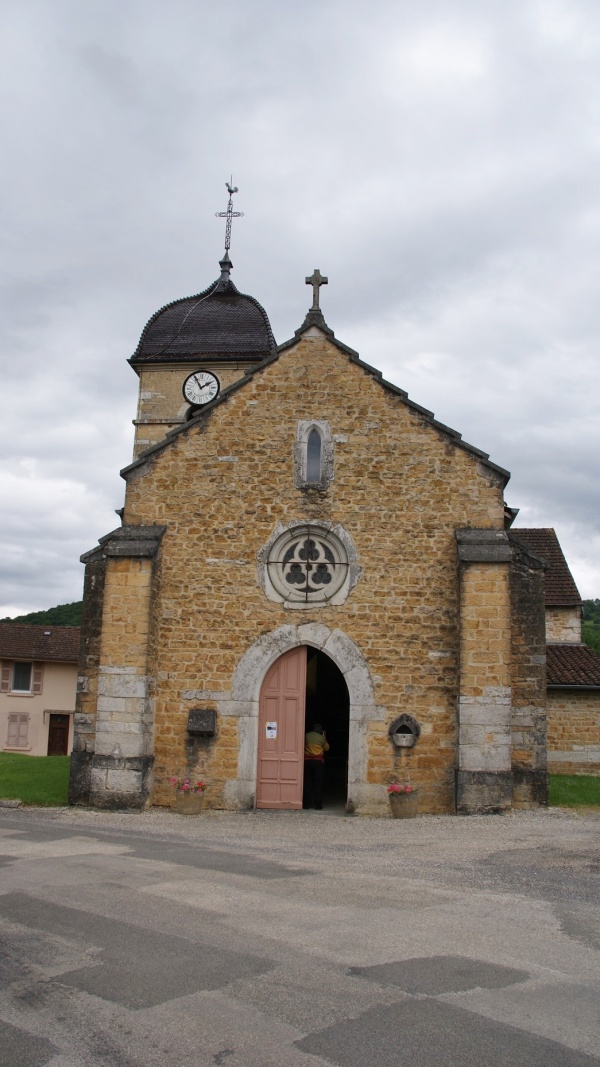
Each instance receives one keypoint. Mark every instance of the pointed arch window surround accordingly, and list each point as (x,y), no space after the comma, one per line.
(313,454)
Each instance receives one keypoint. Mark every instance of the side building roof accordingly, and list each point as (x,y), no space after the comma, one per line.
(559,584)
(59,644)
(572,665)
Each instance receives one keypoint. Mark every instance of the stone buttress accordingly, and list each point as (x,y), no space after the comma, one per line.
(113,753)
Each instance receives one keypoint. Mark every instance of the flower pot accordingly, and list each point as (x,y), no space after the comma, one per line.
(403,805)
(188,803)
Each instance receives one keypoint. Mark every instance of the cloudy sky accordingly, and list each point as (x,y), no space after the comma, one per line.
(438,161)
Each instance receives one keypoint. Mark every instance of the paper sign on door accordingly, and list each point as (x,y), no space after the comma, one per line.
(271,729)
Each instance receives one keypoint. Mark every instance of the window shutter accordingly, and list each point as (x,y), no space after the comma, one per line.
(38,671)
(23,728)
(5,677)
(13,730)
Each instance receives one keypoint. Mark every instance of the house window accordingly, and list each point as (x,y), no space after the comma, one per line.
(21,677)
(18,728)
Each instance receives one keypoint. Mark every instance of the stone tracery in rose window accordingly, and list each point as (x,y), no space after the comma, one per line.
(307,564)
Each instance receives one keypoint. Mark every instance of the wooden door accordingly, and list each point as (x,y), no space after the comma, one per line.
(281,732)
(58,735)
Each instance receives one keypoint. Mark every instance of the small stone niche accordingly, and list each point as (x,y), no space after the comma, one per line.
(404,732)
(202,723)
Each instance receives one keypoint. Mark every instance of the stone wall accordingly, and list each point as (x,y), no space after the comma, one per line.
(113,753)
(400,488)
(161,404)
(573,731)
(528,672)
(563,624)
(484,705)
(84,739)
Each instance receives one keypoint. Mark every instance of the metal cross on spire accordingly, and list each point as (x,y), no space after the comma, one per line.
(229,214)
(316,280)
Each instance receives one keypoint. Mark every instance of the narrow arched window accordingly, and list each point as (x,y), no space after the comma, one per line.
(313,456)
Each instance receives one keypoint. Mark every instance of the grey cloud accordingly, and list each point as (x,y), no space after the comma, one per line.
(438,164)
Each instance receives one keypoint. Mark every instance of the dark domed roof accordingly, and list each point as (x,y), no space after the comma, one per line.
(221,323)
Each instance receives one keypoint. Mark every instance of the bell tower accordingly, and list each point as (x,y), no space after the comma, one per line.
(213,336)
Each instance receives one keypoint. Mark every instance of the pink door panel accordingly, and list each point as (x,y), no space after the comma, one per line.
(281,757)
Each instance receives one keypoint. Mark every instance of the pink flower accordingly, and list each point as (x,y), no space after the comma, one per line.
(173,781)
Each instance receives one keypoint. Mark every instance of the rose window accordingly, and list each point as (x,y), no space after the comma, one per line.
(307,564)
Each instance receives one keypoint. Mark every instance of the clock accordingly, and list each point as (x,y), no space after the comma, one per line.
(201,387)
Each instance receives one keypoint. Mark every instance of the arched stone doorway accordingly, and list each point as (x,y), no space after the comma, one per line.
(302,687)
(242,703)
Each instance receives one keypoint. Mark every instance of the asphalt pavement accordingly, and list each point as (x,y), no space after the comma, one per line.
(299,939)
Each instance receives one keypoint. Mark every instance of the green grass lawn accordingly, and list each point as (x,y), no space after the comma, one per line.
(574,791)
(40,780)
(44,781)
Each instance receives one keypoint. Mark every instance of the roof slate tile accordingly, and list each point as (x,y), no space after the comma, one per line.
(40,643)
(559,584)
(572,665)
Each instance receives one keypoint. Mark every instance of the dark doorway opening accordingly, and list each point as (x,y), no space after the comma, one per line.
(328,702)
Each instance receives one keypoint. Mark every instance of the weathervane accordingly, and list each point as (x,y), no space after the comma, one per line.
(230,213)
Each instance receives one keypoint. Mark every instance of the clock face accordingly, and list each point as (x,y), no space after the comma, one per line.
(201,387)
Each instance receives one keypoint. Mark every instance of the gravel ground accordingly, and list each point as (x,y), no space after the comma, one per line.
(299,938)
(430,838)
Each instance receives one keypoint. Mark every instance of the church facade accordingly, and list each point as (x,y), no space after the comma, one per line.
(302,542)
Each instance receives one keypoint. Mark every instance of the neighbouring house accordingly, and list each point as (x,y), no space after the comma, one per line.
(38,682)
(572,669)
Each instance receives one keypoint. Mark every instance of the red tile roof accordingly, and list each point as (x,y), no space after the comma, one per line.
(560,588)
(39,643)
(572,665)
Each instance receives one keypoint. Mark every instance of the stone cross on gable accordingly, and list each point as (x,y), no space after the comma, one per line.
(316,280)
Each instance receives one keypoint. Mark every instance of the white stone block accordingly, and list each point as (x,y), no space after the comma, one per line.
(368,713)
(238,708)
(123,781)
(344,652)
(98,779)
(492,758)
(357,752)
(313,633)
(105,705)
(248,749)
(478,711)
(472,735)
(499,693)
(359,686)
(123,685)
(117,670)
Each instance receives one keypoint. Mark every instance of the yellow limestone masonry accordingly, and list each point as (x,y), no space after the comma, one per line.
(400,489)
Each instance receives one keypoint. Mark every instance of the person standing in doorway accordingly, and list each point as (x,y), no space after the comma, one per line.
(315,747)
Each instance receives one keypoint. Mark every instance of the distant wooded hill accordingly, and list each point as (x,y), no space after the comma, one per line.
(62,615)
(590,629)
(70,615)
